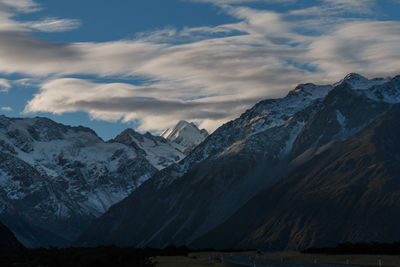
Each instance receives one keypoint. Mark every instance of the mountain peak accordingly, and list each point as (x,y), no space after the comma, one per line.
(186,134)
(357,81)
(354,77)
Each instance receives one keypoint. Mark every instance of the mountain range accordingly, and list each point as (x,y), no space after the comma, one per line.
(314,168)
(55,179)
(286,174)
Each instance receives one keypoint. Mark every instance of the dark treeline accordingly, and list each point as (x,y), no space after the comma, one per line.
(358,248)
(87,257)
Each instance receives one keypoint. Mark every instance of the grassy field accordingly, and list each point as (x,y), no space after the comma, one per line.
(198,259)
(361,260)
(201,259)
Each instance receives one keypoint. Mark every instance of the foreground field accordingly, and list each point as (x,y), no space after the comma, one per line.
(360,260)
(199,259)
(213,259)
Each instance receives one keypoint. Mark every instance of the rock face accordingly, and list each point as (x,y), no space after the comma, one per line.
(55,179)
(185,203)
(7,239)
(186,135)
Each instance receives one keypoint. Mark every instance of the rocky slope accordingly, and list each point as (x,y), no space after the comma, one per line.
(185,201)
(55,179)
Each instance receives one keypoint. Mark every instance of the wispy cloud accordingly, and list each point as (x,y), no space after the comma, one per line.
(10,8)
(21,6)
(114,101)
(53,25)
(7,109)
(4,86)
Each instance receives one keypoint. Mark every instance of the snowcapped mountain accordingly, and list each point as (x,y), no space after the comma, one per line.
(55,179)
(183,202)
(157,150)
(186,135)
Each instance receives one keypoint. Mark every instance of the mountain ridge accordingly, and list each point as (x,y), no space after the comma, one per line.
(186,200)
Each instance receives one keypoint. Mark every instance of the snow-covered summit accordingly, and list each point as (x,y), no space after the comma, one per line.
(185,134)
(357,81)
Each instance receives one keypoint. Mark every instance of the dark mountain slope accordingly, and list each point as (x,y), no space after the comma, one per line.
(350,192)
(8,240)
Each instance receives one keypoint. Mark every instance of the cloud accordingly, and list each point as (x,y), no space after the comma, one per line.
(4,85)
(10,8)
(21,6)
(351,47)
(53,25)
(205,74)
(115,101)
(350,3)
(7,109)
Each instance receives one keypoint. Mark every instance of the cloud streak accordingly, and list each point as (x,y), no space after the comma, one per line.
(53,25)
(7,109)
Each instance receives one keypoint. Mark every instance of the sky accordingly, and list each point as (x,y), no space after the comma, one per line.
(146,64)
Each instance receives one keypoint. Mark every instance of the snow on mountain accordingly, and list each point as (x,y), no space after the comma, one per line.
(265,115)
(272,113)
(185,134)
(156,149)
(357,81)
(56,177)
(388,92)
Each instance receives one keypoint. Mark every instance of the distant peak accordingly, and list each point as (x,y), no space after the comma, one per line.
(354,77)
(128,131)
(168,133)
(357,81)
(186,134)
(127,135)
(309,90)
(182,123)
(148,135)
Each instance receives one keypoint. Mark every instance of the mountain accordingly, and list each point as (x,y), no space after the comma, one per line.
(185,202)
(55,179)
(348,193)
(186,135)
(159,151)
(8,240)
